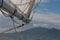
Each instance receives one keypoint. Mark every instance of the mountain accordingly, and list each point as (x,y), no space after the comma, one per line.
(38,33)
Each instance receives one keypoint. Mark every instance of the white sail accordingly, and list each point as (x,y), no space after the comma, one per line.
(24,6)
(19,8)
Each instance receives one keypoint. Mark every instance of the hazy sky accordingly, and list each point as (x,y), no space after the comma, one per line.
(47,11)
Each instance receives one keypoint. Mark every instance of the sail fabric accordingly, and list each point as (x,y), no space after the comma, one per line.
(24,6)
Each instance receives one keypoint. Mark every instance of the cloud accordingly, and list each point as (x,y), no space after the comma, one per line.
(50,17)
(46,25)
(40,25)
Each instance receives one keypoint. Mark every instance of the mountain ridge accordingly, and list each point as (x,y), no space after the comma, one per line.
(38,33)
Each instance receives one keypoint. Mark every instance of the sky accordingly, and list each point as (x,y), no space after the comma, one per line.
(48,11)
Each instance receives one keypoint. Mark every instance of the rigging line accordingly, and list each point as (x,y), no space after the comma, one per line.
(35,8)
(16,21)
(27,6)
(6,15)
(12,28)
(13,23)
(31,7)
(15,6)
(37,5)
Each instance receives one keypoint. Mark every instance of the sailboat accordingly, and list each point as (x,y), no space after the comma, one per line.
(17,8)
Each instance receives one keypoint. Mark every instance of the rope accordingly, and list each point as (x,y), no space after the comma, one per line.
(6,15)
(13,23)
(27,6)
(13,20)
(16,6)
(37,5)
(11,28)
